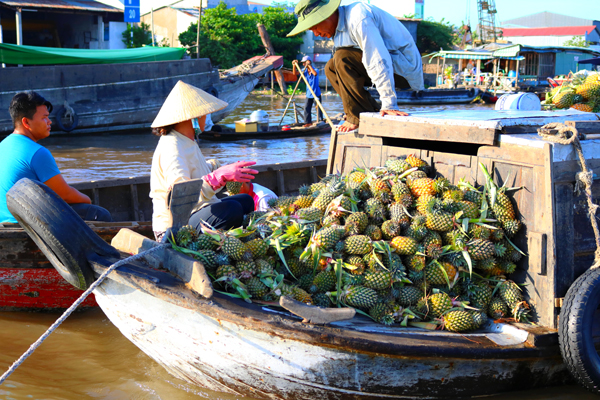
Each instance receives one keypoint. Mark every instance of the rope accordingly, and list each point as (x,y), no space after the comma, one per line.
(69,310)
(562,134)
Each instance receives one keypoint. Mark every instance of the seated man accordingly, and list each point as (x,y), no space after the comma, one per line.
(25,158)
(372,47)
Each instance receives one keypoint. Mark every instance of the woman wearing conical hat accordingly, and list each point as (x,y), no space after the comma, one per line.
(178,158)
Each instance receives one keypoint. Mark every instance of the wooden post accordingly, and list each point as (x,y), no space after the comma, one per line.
(152,23)
(291,97)
(295,112)
(198,32)
(517,76)
(264,36)
(1,40)
(437,73)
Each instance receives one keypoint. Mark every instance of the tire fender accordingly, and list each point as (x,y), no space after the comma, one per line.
(60,113)
(575,330)
(64,238)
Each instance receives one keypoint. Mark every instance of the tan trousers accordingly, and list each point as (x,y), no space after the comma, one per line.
(349,77)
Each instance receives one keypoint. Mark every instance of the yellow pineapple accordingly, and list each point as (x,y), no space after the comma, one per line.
(583,107)
(415,161)
(422,186)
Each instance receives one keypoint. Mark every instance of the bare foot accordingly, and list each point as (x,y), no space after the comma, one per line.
(347,127)
(393,112)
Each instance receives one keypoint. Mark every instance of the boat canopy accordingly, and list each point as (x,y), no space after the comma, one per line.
(34,55)
(505,54)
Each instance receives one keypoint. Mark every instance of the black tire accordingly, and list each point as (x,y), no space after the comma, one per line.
(575,330)
(213,91)
(58,231)
(59,116)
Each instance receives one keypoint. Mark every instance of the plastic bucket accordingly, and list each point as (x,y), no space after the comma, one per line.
(519,101)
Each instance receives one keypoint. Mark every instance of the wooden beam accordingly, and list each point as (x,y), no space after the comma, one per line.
(264,36)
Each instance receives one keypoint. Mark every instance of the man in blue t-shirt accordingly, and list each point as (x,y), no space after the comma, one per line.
(312,76)
(23,157)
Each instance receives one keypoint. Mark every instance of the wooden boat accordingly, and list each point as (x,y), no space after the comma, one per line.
(29,283)
(248,349)
(433,96)
(125,97)
(274,132)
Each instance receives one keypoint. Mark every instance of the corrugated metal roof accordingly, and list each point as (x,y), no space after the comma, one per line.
(81,5)
(545,19)
(554,31)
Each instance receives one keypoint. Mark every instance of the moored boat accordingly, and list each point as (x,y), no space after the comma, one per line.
(433,96)
(275,132)
(28,282)
(124,97)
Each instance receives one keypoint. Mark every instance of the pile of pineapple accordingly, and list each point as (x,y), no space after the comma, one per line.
(395,244)
(583,93)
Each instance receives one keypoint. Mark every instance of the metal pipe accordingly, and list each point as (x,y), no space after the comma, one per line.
(1,40)
(198,31)
(19,27)
(319,103)
(152,23)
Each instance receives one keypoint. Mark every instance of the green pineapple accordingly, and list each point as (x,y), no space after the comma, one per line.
(185,236)
(233,247)
(358,244)
(374,232)
(378,279)
(390,229)
(264,267)
(226,270)
(397,214)
(301,295)
(497,308)
(233,187)
(246,269)
(416,262)
(479,318)
(205,242)
(326,238)
(382,313)
(440,273)
(256,288)
(310,214)
(258,247)
(458,321)
(409,296)
(399,189)
(510,293)
(323,282)
(481,296)
(473,197)
(373,260)
(208,259)
(375,210)
(397,166)
(321,300)
(327,195)
(480,249)
(359,297)
(437,304)
(360,218)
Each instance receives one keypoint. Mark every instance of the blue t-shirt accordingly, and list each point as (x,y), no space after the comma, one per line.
(313,81)
(22,158)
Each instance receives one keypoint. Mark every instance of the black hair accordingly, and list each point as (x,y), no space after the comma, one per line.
(163,130)
(25,104)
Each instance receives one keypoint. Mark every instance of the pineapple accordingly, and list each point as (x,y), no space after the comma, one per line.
(185,236)
(256,288)
(381,190)
(415,161)
(399,189)
(416,262)
(361,219)
(374,232)
(435,275)
(436,305)
(310,214)
(233,187)
(323,282)
(339,206)
(378,279)
(397,213)
(470,210)
(480,249)
(510,293)
(263,266)
(246,269)
(397,166)
(382,313)
(358,244)
(583,107)
(422,203)
(233,247)
(479,318)
(226,270)
(359,296)
(497,308)
(404,245)
(458,321)
(326,238)
(473,197)
(304,201)
(422,186)
(563,99)
(301,295)
(258,247)
(375,210)
(390,229)
(208,258)
(588,90)
(409,296)
(481,295)
(327,195)
(439,221)
(321,300)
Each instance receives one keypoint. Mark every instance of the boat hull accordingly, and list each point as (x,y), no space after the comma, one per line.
(239,349)
(433,96)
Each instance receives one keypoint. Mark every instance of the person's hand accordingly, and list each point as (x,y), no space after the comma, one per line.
(231,172)
(295,62)
(394,112)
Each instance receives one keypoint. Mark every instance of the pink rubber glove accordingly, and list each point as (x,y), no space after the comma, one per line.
(231,172)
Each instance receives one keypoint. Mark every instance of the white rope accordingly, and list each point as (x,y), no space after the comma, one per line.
(69,310)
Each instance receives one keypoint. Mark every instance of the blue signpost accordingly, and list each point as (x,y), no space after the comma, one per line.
(132,10)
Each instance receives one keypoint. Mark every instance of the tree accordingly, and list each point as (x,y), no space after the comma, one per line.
(141,35)
(433,36)
(228,38)
(577,41)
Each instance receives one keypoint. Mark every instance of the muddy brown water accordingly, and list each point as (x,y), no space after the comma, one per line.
(87,357)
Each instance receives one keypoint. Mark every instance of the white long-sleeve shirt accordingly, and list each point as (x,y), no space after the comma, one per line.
(387,48)
(176,158)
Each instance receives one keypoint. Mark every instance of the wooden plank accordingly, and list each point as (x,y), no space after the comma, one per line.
(280,183)
(585,127)
(373,126)
(184,197)
(96,196)
(513,153)
(565,171)
(537,253)
(314,177)
(135,203)
(564,237)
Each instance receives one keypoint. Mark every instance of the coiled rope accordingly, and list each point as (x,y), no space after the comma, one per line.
(69,310)
(557,132)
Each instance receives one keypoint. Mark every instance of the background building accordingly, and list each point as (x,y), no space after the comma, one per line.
(84,24)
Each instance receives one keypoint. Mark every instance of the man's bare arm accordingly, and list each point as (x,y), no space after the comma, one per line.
(66,192)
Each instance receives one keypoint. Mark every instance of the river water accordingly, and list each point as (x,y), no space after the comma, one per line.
(87,357)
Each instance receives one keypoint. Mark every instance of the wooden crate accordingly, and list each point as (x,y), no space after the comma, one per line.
(556,234)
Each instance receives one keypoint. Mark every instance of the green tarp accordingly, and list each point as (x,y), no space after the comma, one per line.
(33,55)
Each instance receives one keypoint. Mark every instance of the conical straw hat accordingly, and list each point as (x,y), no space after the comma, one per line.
(184,103)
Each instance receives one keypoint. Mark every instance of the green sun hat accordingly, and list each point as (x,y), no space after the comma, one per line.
(313,12)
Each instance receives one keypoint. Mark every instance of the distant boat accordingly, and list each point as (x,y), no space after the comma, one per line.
(127,96)
(433,96)
(274,132)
